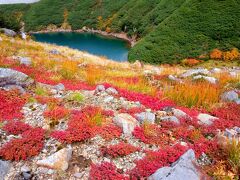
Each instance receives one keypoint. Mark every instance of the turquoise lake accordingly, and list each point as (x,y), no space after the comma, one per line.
(112,48)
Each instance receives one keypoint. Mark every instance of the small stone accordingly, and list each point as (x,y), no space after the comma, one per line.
(111,91)
(100,88)
(59,87)
(229,96)
(206,119)
(146,116)
(78,175)
(25,169)
(108,99)
(25,61)
(179,113)
(26,175)
(58,160)
(172,119)
(126,122)
(54,51)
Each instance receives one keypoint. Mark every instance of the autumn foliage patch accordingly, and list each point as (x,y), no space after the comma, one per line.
(119,150)
(10,105)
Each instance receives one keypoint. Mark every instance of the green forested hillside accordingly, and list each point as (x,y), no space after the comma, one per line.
(168,30)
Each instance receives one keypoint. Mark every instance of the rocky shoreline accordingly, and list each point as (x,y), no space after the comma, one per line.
(122,35)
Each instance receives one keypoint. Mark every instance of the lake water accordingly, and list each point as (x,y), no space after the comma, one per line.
(112,48)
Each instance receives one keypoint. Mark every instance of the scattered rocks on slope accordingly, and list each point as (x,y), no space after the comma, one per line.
(206,119)
(13,77)
(184,168)
(4,168)
(126,122)
(58,160)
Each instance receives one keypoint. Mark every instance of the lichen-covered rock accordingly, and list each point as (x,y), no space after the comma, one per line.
(126,122)
(100,88)
(183,169)
(111,91)
(58,160)
(192,72)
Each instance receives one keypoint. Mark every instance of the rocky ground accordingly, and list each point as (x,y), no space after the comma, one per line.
(102,131)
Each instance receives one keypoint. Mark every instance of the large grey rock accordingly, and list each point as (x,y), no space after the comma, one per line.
(230,96)
(183,169)
(192,72)
(4,168)
(58,160)
(212,80)
(8,32)
(126,122)
(13,77)
(206,119)
(145,116)
(59,87)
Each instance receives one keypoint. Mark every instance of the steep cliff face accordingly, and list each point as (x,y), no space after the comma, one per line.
(166,29)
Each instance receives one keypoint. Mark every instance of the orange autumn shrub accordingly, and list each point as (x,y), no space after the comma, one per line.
(216,54)
(190,62)
(231,55)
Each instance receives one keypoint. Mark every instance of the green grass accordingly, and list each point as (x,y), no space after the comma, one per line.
(168,30)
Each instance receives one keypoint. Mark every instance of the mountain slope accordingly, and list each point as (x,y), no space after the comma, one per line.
(168,30)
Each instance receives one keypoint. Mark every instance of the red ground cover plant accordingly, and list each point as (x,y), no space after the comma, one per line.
(85,124)
(152,134)
(110,131)
(16,127)
(10,105)
(77,85)
(229,116)
(106,171)
(155,160)
(119,150)
(29,145)
(57,113)
(149,101)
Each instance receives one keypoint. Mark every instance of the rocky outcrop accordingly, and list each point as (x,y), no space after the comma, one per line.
(206,119)
(183,169)
(9,77)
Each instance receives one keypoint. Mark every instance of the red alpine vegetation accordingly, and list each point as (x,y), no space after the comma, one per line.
(29,145)
(119,150)
(16,127)
(57,113)
(106,171)
(110,132)
(11,105)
